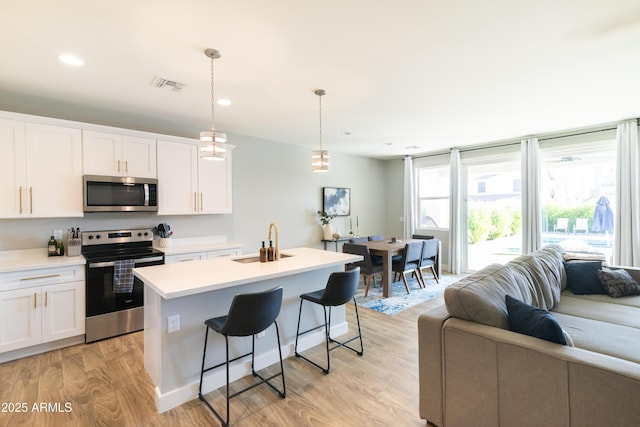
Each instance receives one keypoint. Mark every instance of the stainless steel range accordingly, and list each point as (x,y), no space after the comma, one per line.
(114,296)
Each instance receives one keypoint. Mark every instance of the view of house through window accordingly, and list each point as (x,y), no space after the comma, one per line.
(493,213)
(578,195)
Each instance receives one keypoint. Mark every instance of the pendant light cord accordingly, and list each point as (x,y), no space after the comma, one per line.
(212,99)
(320,96)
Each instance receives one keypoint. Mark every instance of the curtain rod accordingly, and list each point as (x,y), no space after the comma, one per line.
(510,143)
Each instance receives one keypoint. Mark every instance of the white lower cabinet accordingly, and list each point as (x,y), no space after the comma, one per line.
(199,256)
(41,309)
(192,256)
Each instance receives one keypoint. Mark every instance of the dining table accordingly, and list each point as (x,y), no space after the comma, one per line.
(387,249)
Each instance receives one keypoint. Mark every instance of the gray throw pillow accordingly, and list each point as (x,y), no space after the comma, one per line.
(618,283)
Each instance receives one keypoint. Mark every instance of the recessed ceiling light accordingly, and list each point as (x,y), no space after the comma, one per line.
(223,101)
(71,60)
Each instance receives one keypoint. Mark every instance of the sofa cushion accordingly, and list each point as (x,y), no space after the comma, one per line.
(602,337)
(582,277)
(618,283)
(535,279)
(529,320)
(600,307)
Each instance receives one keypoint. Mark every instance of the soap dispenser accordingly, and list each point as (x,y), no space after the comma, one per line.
(270,252)
(263,253)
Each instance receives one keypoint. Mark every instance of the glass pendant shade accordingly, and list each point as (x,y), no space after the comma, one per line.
(212,145)
(213,135)
(320,161)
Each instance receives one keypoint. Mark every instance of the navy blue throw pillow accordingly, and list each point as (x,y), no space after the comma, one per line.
(582,277)
(529,320)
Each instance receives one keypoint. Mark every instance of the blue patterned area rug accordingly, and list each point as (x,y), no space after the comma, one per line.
(400,300)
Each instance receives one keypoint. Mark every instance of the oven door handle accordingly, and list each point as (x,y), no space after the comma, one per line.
(113,263)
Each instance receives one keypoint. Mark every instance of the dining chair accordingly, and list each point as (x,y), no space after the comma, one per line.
(429,258)
(340,289)
(376,237)
(409,262)
(358,240)
(249,314)
(367,267)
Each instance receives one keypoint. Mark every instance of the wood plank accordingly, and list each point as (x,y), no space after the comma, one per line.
(106,384)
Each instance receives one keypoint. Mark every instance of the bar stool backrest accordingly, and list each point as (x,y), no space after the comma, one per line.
(341,287)
(252,313)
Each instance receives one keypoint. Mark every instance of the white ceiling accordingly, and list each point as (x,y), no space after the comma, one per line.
(401,73)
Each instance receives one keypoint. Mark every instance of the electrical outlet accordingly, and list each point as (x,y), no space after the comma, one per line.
(261,334)
(173,323)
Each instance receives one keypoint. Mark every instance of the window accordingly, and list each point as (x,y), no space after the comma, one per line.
(433,197)
(577,186)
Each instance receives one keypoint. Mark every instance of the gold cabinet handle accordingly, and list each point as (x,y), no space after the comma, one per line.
(30,199)
(46,294)
(118,166)
(21,200)
(35,300)
(201,203)
(126,166)
(195,202)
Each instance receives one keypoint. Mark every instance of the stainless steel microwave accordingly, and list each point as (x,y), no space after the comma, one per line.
(120,194)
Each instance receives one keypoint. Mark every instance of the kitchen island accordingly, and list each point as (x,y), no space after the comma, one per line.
(197,290)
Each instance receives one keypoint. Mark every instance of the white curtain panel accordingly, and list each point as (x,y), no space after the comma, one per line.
(627,214)
(409,198)
(456,224)
(530,196)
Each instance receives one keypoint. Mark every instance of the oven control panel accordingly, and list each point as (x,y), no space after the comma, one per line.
(106,237)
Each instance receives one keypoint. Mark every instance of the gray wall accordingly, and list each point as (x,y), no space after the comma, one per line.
(272,182)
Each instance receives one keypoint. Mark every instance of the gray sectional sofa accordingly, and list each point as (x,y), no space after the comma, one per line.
(474,371)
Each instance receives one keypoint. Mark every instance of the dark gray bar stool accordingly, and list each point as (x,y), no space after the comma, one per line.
(341,287)
(249,314)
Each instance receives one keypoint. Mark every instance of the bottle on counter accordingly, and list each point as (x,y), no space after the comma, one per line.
(270,252)
(52,247)
(263,253)
(60,248)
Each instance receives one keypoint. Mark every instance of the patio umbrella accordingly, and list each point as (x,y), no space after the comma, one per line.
(602,216)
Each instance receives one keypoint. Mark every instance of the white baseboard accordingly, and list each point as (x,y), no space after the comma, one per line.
(40,348)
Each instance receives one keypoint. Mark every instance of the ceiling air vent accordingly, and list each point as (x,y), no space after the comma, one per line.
(163,83)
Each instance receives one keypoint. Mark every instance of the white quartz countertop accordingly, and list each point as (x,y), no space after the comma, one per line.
(182,279)
(33,259)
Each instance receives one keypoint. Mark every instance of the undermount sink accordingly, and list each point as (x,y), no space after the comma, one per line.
(251,259)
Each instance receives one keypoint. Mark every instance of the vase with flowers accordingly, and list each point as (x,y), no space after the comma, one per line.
(325,219)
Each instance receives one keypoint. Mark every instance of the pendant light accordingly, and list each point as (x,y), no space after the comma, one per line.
(320,158)
(212,142)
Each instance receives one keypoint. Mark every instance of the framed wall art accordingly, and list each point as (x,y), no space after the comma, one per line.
(336,201)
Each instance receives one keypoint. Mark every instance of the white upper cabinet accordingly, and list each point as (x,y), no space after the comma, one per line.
(118,155)
(177,178)
(12,169)
(41,170)
(214,184)
(188,185)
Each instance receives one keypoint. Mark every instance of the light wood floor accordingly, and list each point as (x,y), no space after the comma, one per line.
(104,384)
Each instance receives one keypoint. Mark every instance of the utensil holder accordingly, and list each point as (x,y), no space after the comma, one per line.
(73,247)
